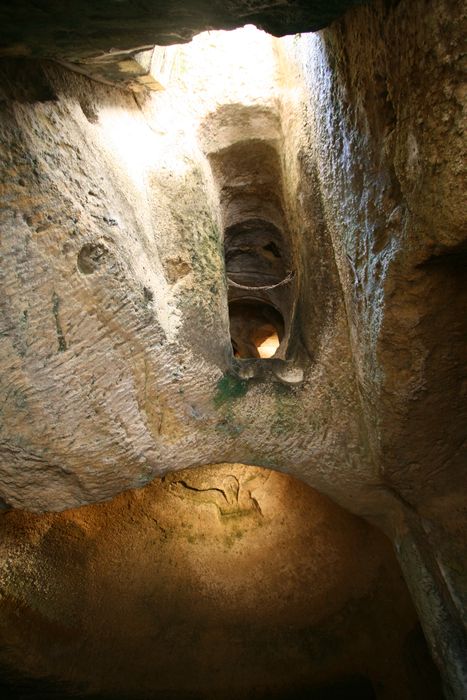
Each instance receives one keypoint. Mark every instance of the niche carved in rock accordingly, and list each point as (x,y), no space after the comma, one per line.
(258,250)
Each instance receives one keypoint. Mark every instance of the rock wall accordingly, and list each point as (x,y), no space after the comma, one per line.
(116,346)
(215,583)
(387,117)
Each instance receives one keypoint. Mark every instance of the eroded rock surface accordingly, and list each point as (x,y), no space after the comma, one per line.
(78,30)
(216,583)
(117,348)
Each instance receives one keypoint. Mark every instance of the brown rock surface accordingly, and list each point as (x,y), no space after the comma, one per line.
(221,582)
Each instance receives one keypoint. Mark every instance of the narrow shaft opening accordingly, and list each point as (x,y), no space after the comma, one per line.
(256,261)
(256,329)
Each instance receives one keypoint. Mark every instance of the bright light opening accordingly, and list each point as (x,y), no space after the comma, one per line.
(269,346)
(256,329)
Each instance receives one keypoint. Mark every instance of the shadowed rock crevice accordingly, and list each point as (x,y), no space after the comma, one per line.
(79,31)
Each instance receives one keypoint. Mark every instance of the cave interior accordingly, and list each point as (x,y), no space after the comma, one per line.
(232,350)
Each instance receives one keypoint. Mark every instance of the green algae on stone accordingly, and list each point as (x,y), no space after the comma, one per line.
(230,388)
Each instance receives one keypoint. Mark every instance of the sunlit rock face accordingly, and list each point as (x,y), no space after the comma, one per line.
(116,356)
(220,582)
(117,351)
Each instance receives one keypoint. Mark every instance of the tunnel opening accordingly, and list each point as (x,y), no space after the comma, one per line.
(258,251)
(256,328)
(256,262)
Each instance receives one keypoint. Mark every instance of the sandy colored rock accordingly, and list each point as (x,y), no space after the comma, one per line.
(220,582)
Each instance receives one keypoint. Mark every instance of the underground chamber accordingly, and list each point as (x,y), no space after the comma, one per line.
(224,581)
(213,274)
